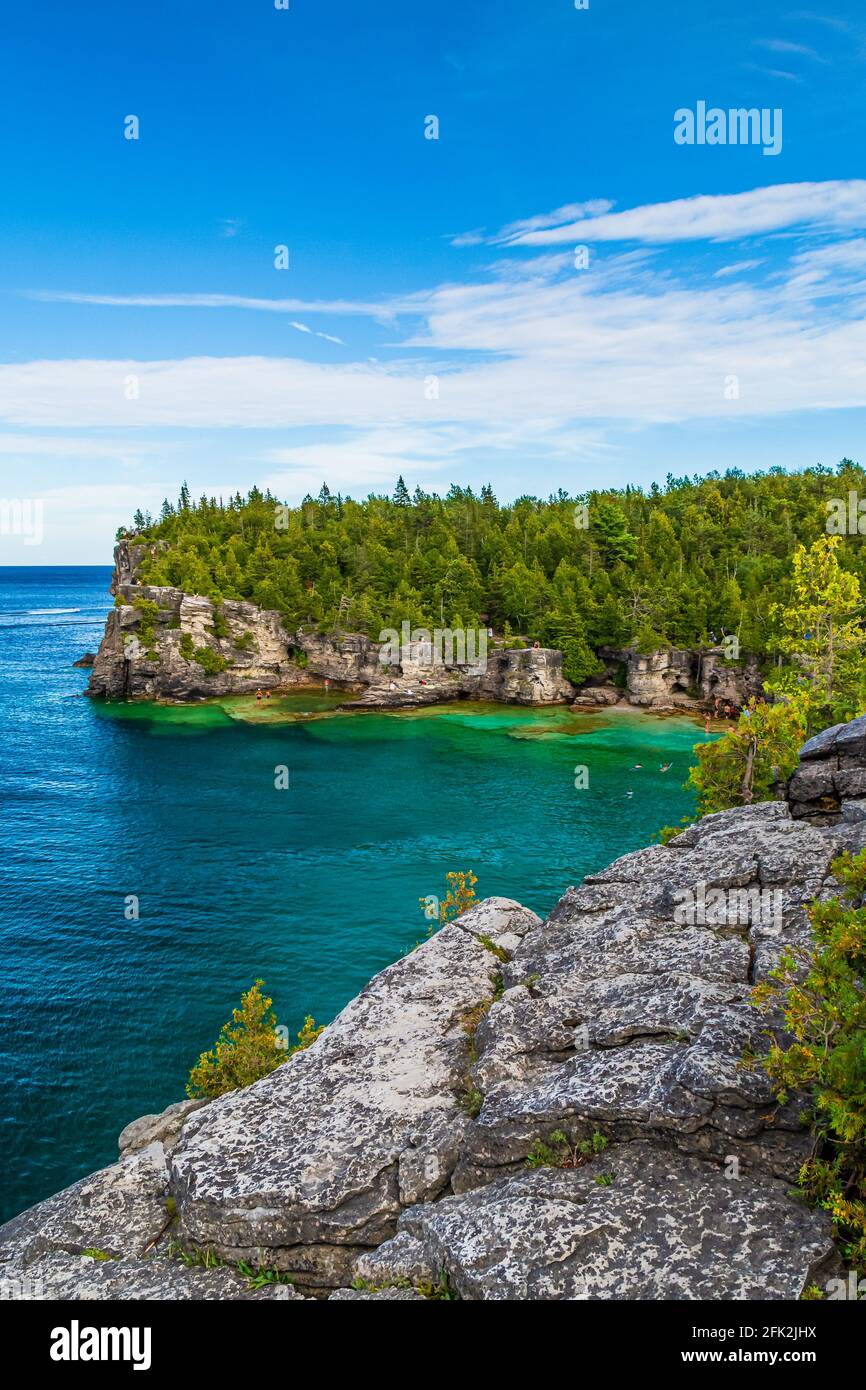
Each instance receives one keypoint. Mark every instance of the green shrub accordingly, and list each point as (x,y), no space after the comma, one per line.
(247,1049)
(561,1153)
(210,661)
(186,647)
(744,765)
(822,994)
(219,622)
(148,612)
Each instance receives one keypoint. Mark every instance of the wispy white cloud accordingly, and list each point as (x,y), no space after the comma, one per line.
(839,203)
(541,362)
(812,17)
(314,332)
(383,311)
(473,238)
(786,46)
(516,231)
(738,268)
(774,72)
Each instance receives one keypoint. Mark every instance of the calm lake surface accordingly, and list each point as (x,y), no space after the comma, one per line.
(314,888)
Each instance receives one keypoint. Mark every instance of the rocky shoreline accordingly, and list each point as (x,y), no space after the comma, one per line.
(163,644)
(516,1110)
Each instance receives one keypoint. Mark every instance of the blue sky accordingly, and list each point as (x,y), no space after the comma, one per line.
(432,321)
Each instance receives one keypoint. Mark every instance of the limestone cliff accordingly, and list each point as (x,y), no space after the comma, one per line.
(394,1150)
(673,678)
(142,659)
(146,655)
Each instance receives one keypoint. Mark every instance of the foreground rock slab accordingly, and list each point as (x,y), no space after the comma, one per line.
(637,1223)
(308,1167)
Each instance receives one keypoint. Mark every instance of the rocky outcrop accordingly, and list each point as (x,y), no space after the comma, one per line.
(161,643)
(530,676)
(147,658)
(672,678)
(516,1109)
(830,782)
(660,1226)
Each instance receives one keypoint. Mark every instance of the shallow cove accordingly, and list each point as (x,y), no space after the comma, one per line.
(314,888)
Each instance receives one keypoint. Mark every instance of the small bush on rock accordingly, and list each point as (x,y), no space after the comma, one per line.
(248,1048)
(822,994)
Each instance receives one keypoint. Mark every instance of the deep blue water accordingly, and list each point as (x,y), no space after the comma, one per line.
(314,888)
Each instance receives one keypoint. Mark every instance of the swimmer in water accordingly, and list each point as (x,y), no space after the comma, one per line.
(664,767)
(637,767)
(629,794)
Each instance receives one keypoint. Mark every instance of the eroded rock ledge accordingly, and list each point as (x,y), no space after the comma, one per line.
(249,648)
(394,1150)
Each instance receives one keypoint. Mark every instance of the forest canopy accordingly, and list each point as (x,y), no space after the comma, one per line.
(680,565)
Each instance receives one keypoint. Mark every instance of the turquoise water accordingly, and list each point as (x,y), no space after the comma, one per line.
(314,888)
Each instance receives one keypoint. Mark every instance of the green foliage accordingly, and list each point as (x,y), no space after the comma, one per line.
(219,622)
(246,642)
(669,566)
(186,646)
(820,992)
(148,612)
(490,945)
(210,661)
(261,1278)
(744,765)
(443,1290)
(560,1152)
(247,1049)
(821,632)
(567,632)
(460,896)
(94,1254)
(669,832)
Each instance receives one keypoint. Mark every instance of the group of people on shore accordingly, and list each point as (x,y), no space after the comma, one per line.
(722,709)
